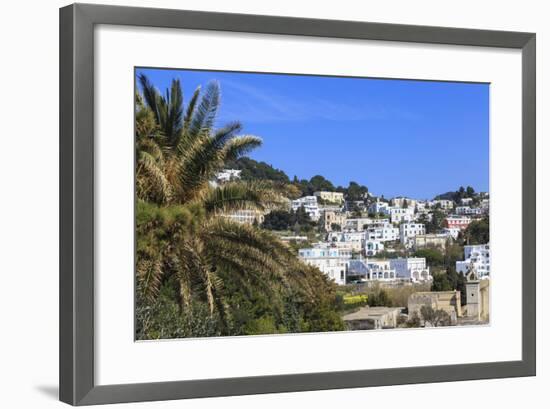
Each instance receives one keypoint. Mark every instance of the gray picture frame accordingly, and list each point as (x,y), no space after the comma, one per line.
(76,330)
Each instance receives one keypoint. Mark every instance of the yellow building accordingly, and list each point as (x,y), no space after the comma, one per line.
(330,197)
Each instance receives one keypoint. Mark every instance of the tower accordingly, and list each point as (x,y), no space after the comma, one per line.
(472,293)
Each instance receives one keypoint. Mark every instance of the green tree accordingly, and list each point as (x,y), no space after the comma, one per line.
(477,232)
(437,318)
(319,183)
(355,192)
(433,256)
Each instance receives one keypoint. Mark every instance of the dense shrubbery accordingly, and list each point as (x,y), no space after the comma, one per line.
(298,221)
(477,232)
(254,170)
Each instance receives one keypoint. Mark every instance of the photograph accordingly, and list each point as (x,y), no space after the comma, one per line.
(285,203)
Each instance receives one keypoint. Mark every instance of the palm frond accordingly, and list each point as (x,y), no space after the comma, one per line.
(174,115)
(191,109)
(151,180)
(151,95)
(240,146)
(205,113)
(149,274)
(235,196)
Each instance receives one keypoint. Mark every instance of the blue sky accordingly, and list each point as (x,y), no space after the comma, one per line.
(398,137)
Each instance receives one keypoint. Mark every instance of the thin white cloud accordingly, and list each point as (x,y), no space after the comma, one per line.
(263,105)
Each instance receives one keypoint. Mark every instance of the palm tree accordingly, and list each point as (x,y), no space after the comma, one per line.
(184,234)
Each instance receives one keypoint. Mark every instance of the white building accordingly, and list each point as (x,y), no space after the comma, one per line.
(310,206)
(363,223)
(413,268)
(373,247)
(466,201)
(354,240)
(246,216)
(444,204)
(378,207)
(331,261)
(410,230)
(383,233)
(467,210)
(399,215)
(421,205)
(331,197)
(371,269)
(401,201)
(451,232)
(228,175)
(477,256)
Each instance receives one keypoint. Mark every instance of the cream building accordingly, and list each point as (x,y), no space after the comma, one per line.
(423,241)
(330,197)
(332,217)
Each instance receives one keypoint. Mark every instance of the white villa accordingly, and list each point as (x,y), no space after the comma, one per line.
(359,224)
(444,204)
(310,206)
(228,175)
(372,247)
(400,201)
(467,210)
(410,230)
(413,268)
(247,216)
(398,214)
(331,261)
(451,232)
(371,269)
(378,207)
(477,256)
(383,233)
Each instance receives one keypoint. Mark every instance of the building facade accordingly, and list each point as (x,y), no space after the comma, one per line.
(309,203)
(383,233)
(459,222)
(371,270)
(468,211)
(330,197)
(411,268)
(443,204)
(409,230)
(228,175)
(431,240)
(247,216)
(333,262)
(477,257)
(400,215)
(378,207)
(331,217)
(373,247)
(403,202)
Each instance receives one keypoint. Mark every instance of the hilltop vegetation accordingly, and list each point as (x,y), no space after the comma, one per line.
(254,170)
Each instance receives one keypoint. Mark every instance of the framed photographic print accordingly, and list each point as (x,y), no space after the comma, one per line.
(254,204)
